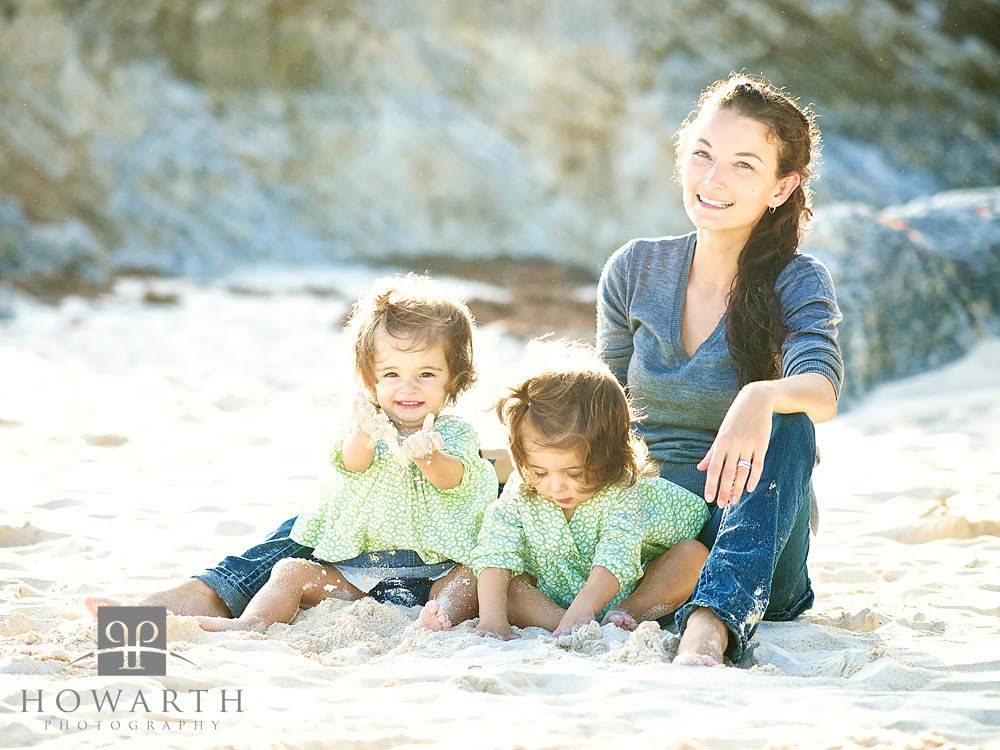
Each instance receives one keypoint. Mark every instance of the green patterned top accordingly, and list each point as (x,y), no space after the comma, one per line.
(392,506)
(619,528)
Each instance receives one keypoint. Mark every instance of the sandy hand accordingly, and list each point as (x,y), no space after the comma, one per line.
(572,620)
(423,443)
(374,424)
(494,629)
(362,408)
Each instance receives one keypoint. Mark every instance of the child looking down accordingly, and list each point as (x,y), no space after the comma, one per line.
(585,533)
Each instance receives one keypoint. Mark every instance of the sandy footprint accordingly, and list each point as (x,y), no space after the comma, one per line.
(864,621)
(945,527)
(18,624)
(24,535)
(485,684)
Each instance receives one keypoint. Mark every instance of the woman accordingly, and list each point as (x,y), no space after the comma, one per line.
(726,337)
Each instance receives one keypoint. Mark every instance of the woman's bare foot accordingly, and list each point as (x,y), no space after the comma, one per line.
(193,597)
(704,641)
(621,619)
(433,616)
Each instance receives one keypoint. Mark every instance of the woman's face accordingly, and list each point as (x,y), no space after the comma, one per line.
(729,172)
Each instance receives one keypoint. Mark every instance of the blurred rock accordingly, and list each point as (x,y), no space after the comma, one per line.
(6,304)
(918,284)
(188,136)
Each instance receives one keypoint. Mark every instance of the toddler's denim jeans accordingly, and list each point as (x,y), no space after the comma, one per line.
(237,578)
(757,565)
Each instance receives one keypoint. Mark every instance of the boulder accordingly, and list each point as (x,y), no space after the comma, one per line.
(918,284)
(189,136)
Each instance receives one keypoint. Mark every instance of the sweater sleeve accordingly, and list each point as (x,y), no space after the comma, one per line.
(614,330)
(810,315)
(502,542)
(462,441)
(620,544)
(671,513)
(449,519)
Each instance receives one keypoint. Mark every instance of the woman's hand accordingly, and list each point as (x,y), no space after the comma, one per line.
(736,459)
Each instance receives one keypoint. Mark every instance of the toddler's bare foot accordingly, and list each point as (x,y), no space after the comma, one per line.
(93,602)
(433,616)
(621,619)
(704,640)
(218,624)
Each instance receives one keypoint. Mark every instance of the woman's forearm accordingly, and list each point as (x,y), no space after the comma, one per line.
(809,392)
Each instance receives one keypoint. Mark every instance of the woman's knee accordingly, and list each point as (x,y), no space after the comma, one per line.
(796,428)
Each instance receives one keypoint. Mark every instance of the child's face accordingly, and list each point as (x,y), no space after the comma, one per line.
(410,383)
(557,475)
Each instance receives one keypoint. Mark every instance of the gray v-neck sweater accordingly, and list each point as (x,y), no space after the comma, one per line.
(640,302)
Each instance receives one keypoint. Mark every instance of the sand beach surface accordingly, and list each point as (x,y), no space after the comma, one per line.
(147,433)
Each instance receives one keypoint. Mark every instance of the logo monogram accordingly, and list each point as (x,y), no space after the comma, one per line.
(132,640)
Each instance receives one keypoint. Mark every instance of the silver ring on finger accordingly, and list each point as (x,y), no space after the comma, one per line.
(744,463)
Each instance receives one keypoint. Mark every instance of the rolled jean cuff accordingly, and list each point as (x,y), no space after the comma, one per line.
(227,588)
(736,649)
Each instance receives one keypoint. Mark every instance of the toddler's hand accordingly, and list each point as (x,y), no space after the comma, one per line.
(362,408)
(423,443)
(374,424)
(572,620)
(494,629)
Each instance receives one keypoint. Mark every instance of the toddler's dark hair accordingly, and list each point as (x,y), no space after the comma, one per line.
(570,400)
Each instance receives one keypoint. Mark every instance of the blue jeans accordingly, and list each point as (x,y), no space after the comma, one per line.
(237,578)
(756,569)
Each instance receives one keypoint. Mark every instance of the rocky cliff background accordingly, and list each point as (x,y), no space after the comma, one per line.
(192,136)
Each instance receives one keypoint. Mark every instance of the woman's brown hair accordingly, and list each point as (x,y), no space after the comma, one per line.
(416,308)
(754,329)
(570,400)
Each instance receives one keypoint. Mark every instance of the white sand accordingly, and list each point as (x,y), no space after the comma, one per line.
(139,444)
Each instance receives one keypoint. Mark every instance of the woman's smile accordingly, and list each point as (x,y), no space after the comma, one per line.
(716,204)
